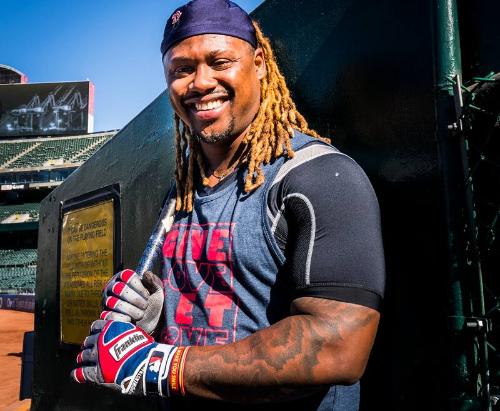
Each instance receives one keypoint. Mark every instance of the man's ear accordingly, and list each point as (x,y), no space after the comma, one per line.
(260,63)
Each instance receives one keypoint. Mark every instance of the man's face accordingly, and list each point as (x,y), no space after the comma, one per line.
(214,85)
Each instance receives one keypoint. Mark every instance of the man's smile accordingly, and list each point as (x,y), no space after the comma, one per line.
(209,105)
(207,108)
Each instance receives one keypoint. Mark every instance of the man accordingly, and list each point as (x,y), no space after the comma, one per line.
(273,269)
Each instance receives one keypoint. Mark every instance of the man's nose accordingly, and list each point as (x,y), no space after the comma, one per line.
(203,79)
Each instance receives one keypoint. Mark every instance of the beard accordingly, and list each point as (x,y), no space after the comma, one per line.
(213,138)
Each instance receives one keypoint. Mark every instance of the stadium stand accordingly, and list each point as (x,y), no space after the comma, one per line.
(19,279)
(9,150)
(50,152)
(17,270)
(31,166)
(29,169)
(18,258)
(16,213)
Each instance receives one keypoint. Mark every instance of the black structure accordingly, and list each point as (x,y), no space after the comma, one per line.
(10,75)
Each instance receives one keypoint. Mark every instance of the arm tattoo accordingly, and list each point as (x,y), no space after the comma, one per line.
(310,350)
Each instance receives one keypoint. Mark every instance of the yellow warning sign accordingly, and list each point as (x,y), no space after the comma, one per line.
(85,266)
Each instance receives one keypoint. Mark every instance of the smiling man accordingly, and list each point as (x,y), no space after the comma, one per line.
(273,269)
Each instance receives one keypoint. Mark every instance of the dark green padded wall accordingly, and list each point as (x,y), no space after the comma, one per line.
(362,72)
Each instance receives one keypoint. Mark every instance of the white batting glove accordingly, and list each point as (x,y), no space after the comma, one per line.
(128,298)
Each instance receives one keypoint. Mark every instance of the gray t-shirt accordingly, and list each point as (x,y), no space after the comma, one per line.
(233,265)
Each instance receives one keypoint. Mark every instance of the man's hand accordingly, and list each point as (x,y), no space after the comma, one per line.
(128,298)
(123,357)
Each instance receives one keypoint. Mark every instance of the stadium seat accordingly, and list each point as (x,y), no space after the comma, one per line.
(23,257)
(56,151)
(8,150)
(32,209)
(17,279)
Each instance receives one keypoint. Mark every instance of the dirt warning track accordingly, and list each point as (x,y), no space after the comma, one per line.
(13,324)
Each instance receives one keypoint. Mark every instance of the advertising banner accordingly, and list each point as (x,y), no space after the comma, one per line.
(22,302)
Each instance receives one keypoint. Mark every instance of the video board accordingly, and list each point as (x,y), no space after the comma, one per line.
(46,109)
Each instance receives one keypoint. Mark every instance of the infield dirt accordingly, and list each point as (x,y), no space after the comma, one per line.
(13,324)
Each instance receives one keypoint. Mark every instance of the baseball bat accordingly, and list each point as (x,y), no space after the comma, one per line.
(152,251)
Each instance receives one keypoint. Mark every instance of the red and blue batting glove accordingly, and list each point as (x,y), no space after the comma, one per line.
(121,356)
(127,297)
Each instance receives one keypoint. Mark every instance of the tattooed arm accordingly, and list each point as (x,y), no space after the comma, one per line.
(323,342)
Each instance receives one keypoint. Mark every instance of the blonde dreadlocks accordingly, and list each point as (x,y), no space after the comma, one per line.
(268,138)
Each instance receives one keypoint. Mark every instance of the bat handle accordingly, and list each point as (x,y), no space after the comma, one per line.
(153,250)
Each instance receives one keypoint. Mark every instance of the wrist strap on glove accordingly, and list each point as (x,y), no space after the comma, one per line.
(176,374)
(122,356)
(165,371)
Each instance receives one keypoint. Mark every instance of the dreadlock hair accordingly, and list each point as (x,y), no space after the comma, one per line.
(268,137)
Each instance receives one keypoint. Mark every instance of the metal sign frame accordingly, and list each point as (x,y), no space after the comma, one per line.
(81,202)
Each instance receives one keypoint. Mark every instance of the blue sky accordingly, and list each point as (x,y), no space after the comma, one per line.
(113,43)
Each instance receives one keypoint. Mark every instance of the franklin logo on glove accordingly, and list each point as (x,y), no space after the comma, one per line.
(124,357)
(127,344)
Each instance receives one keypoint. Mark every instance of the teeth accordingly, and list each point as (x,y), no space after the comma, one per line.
(209,105)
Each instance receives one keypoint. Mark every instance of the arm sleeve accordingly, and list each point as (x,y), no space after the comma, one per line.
(325,218)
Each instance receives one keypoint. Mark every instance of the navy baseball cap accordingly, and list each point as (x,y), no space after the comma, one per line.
(208,17)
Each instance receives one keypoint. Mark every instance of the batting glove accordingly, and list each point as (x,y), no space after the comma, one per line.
(128,298)
(123,357)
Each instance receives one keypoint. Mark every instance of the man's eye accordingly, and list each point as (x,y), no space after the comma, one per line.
(221,64)
(183,70)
